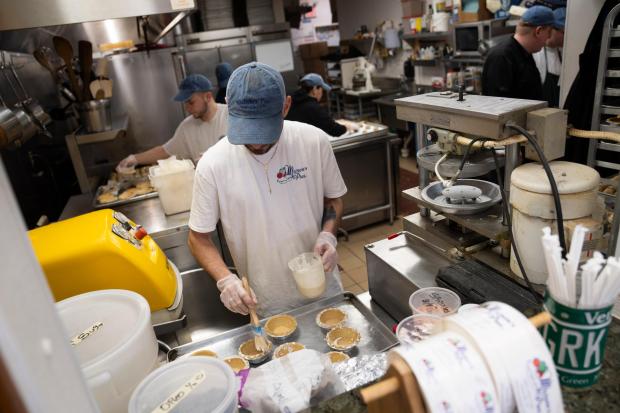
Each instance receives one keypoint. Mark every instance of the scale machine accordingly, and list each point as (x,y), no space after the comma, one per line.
(461,217)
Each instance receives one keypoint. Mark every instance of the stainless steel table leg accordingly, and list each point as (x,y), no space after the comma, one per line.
(422,173)
(392,201)
(360,106)
(512,161)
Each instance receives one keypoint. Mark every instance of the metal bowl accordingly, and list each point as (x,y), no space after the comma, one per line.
(491,195)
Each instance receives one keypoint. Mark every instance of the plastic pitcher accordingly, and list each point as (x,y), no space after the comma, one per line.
(308,273)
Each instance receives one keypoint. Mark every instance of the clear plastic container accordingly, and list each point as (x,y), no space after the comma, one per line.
(308,273)
(434,300)
(174,181)
(195,384)
(418,327)
(110,332)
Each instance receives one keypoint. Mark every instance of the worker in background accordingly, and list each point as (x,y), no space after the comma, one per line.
(205,125)
(549,59)
(276,188)
(509,69)
(222,73)
(305,106)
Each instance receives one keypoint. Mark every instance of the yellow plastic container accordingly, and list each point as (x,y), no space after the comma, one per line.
(95,251)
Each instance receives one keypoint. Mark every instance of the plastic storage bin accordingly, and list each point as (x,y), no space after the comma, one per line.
(111,334)
(174,181)
(194,384)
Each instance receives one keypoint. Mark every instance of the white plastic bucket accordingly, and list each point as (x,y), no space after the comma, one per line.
(174,180)
(111,334)
(194,384)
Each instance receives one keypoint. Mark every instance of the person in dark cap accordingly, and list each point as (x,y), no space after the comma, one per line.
(549,59)
(205,125)
(305,106)
(222,73)
(509,69)
(276,188)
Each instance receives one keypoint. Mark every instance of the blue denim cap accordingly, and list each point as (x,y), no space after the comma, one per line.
(192,84)
(314,79)
(222,73)
(538,16)
(255,97)
(560,18)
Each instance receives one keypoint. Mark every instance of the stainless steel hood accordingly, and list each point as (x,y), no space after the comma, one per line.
(25,14)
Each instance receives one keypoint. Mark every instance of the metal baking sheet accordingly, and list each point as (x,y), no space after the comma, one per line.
(98,205)
(375,336)
(378,130)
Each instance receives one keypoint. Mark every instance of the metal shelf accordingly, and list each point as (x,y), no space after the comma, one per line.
(119,127)
(611,91)
(423,62)
(613,73)
(429,36)
(610,110)
(614,53)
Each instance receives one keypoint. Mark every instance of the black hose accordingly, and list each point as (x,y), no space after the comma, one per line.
(554,186)
(506,209)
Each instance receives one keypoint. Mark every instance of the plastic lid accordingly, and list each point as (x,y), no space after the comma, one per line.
(101,323)
(570,177)
(434,300)
(417,327)
(195,384)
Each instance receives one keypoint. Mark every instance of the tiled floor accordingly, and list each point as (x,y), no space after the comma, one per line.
(352,260)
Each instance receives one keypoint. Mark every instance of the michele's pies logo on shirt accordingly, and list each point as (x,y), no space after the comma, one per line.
(289,173)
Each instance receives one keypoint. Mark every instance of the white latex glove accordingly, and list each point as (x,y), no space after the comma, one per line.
(128,163)
(325,247)
(234,296)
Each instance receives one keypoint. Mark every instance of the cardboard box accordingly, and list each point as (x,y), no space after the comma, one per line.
(313,50)
(412,8)
(480,13)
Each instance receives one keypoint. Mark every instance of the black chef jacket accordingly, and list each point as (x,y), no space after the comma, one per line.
(510,71)
(306,109)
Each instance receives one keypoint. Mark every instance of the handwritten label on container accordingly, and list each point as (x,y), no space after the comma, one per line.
(179,394)
(86,333)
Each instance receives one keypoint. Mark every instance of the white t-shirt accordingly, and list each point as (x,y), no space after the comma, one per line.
(194,136)
(264,229)
(548,60)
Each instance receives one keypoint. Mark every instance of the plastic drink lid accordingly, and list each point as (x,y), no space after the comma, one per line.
(418,327)
(195,384)
(102,323)
(434,300)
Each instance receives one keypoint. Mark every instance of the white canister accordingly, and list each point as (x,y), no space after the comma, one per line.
(111,334)
(440,22)
(533,208)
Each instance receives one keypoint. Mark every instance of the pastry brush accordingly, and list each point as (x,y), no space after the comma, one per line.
(260,342)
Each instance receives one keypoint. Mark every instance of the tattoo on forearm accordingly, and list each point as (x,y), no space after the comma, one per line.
(329,214)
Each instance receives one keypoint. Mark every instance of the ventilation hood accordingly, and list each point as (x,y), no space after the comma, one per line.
(24,14)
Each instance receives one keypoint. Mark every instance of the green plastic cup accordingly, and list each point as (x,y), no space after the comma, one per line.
(576,338)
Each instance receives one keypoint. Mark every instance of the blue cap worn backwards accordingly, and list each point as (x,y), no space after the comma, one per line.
(255,97)
(560,18)
(538,16)
(315,80)
(192,84)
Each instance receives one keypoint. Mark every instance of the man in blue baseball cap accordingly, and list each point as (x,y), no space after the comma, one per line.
(276,188)
(205,125)
(549,59)
(305,106)
(509,68)
(222,73)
